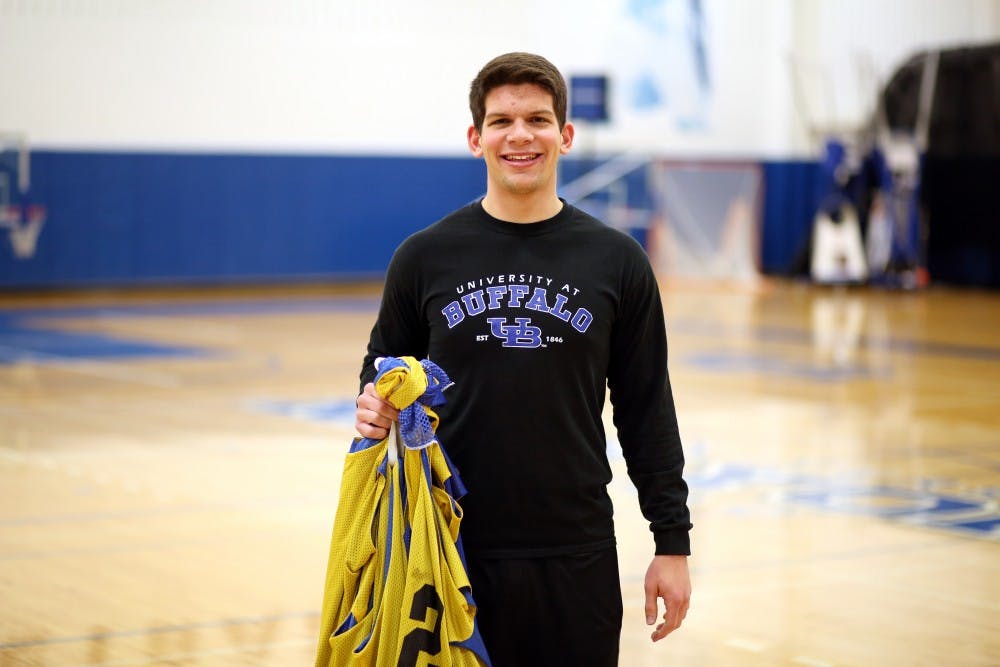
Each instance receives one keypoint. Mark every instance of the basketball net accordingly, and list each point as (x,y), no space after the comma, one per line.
(23,233)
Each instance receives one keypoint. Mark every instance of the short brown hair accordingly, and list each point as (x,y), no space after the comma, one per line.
(517,68)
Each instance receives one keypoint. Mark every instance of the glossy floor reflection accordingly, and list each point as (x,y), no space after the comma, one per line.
(169,468)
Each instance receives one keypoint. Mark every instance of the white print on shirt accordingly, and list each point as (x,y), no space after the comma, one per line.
(524,278)
(499,292)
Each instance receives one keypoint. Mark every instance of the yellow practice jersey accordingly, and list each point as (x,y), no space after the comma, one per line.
(397,593)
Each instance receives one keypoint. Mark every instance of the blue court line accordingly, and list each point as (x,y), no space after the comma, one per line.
(42,346)
(29,335)
(21,341)
(159,630)
(26,336)
(972,515)
(234,307)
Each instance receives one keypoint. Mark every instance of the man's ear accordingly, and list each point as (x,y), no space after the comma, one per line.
(475,141)
(568,132)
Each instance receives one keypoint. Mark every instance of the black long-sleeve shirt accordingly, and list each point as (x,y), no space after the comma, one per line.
(530,321)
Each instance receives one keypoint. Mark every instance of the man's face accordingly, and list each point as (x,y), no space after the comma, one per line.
(520,141)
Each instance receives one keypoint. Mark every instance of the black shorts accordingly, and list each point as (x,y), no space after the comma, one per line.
(545,612)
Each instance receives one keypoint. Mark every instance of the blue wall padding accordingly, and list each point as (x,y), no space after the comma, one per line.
(140,218)
(792,191)
(124,218)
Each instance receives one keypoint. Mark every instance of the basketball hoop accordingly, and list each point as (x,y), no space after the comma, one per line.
(23,222)
(23,225)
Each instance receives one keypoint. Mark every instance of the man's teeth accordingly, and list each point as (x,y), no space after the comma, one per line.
(521,157)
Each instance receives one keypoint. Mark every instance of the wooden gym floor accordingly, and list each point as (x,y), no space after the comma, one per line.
(169,465)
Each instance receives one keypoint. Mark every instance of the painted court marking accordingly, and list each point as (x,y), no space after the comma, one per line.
(104,371)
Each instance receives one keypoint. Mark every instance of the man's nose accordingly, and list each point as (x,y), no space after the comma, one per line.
(520,132)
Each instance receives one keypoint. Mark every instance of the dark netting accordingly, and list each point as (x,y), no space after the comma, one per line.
(961,166)
(965,116)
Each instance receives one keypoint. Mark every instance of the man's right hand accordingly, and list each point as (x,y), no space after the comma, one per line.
(374,415)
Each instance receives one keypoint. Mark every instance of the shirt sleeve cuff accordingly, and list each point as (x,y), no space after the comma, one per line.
(675,542)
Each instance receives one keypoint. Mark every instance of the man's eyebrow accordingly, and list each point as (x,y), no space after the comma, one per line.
(539,112)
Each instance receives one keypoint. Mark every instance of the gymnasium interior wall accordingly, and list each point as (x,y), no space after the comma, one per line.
(252,140)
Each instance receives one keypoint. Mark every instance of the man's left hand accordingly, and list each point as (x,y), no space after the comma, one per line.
(667,578)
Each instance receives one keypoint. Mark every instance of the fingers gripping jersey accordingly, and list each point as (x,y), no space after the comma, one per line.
(397,593)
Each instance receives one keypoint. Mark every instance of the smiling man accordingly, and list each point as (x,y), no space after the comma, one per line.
(535,308)
(520,138)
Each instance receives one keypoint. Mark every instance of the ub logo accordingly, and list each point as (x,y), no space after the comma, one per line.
(519,334)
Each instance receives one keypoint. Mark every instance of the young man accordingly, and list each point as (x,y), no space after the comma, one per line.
(533,308)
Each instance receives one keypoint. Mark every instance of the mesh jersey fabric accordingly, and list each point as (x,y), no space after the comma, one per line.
(397,592)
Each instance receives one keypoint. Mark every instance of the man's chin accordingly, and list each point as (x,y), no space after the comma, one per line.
(518,186)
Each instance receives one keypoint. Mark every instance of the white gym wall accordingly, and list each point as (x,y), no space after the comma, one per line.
(391,76)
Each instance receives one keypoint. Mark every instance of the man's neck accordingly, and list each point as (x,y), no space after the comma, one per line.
(524,210)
